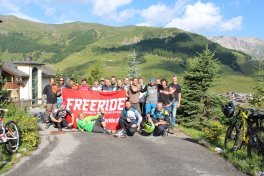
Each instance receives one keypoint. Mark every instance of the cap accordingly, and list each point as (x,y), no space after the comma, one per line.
(102,79)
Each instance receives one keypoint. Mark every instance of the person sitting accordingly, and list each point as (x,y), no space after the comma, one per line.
(129,121)
(58,116)
(160,118)
(94,124)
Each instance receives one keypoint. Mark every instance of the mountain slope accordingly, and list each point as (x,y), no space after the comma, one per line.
(250,45)
(76,47)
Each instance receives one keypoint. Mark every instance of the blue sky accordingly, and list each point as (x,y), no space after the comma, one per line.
(207,17)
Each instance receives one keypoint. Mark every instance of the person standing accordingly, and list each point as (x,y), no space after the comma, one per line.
(151,91)
(107,87)
(165,97)
(119,85)
(142,96)
(84,85)
(96,86)
(133,94)
(126,83)
(61,85)
(102,83)
(113,81)
(176,95)
(72,85)
(49,96)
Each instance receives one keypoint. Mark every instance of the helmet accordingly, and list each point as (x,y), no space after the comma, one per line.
(120,134)
(229,109)
(148,127)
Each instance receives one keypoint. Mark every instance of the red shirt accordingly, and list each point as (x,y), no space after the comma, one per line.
(81,87)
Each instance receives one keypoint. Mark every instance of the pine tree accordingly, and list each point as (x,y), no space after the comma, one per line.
(58,75)
(96,72)
(258,97)
(202,73)
(133,66)
(76,76)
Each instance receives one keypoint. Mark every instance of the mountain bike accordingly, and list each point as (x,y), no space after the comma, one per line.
(256,138)
(9,135)
(245,130)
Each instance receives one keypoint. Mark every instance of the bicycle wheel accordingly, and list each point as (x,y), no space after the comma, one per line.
(256,142)
(13,137)
(231,137)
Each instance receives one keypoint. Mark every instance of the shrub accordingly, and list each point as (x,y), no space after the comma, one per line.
(27,126)
(214,131)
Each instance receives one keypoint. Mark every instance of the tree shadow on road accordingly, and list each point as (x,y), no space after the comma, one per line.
(190,140)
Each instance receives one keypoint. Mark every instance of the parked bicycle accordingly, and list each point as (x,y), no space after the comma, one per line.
(9,135)
(246,129)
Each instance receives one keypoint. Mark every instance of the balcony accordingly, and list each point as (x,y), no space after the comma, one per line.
(10,85)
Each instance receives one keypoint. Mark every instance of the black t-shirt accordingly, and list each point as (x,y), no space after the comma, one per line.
(175,95)
(51,96)
(164,98)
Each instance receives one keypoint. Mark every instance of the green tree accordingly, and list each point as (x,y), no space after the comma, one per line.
(202,73)
(3,92)
(76,76)
(133,66)
(58,75)
(96,72)
(258,97)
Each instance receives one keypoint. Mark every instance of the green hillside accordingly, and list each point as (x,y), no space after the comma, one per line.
(76,46)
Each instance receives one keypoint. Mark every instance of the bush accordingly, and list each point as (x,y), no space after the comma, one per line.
(214,131)
(27,126)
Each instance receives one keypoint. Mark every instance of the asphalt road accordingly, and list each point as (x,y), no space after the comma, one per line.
(82,154)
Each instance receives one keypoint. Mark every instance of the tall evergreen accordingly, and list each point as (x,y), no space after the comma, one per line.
(96,72)
(258,97)
(133,66)
(201,74)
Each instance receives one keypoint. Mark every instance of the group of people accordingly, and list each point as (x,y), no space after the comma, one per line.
(148,106)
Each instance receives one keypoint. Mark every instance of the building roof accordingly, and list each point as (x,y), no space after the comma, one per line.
(47,72)
(11,67)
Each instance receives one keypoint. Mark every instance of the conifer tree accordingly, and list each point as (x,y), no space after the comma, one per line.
(96,72)
(133,66)
(202,73)
(258,97)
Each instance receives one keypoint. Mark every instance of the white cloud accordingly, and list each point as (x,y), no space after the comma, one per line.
(204,17)
(13,9)
(107,7)
(160,14)
(232,24)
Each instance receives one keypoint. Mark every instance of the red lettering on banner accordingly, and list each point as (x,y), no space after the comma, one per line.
(91,103)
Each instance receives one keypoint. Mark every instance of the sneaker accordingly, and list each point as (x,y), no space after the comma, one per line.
(47,125)
(120,135)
